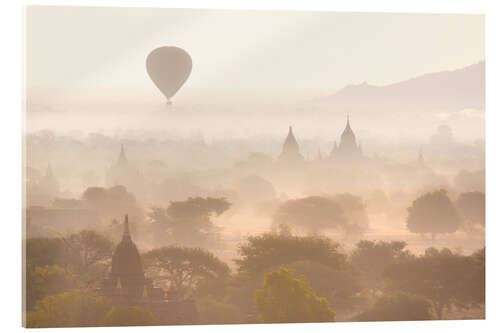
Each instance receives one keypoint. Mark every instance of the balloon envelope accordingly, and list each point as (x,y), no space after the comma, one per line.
(169,67)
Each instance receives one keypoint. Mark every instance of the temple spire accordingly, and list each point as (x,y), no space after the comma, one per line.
(122,159)
(290,150)
(126,230)
(290,141)
(348,125)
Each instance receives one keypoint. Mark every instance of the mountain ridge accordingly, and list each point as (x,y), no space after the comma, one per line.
(456,89)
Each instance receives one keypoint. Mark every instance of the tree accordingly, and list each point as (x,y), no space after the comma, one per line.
(73,308)
(341,288)
(285,298)
(188,222)
(471,206)
(371,258)
(63,203)
(443,277)
(113,202)
(186,271)
(255,188)
(313,214)
(433,213)
(215,312)
(355,211)
(129,316)
(92,251)
(58,264)
(47,251)
(473,290)
(398,307)
(45,281)
(91,247)
(265,251)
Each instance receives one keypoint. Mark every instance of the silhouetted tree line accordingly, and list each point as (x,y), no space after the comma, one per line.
(376,280)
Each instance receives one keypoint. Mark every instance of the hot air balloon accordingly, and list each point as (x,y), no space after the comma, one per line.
(168,67)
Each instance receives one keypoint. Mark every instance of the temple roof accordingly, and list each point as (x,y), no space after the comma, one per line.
(290,144)
(122,158)
(347,129)
(290,138)
(126,261)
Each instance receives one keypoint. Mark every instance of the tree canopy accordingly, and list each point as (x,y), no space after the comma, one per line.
(90,247)
(355,211)
(129,316)
(340,288)
(371,258)
(285,298)
(265,251)
(113,202)
(45,281)
(73,308)
(188,222)
(313,214)
(444,277)
(433,213)
(399,306)
(471,206)
(185,270)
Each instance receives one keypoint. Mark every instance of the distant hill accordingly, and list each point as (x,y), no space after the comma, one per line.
(457,89)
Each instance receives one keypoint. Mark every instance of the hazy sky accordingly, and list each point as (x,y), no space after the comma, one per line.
(271,55)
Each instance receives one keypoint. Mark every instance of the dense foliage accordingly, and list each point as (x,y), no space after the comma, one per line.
(285,298)
(433,213)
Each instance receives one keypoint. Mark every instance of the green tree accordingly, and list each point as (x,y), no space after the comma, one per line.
(187,271)
(433,213)
(48,251)
(262,252)
(371,258)
(313,214)
(73,308)
(45,281)
(399,306)
(341,288)
(285,298)
(443,277)
(187,222)
(129,316)
(90,247)
(93,252)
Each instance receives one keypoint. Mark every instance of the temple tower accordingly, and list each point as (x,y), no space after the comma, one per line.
(290,152)
(347,149)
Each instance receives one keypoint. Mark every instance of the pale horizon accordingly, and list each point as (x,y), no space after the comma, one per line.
(250,56)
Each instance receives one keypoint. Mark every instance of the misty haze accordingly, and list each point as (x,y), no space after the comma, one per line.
(191,166)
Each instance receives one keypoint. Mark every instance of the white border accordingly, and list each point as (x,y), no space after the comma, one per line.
(11,122)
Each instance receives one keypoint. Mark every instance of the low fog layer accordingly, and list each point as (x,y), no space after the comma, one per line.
(336,155)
